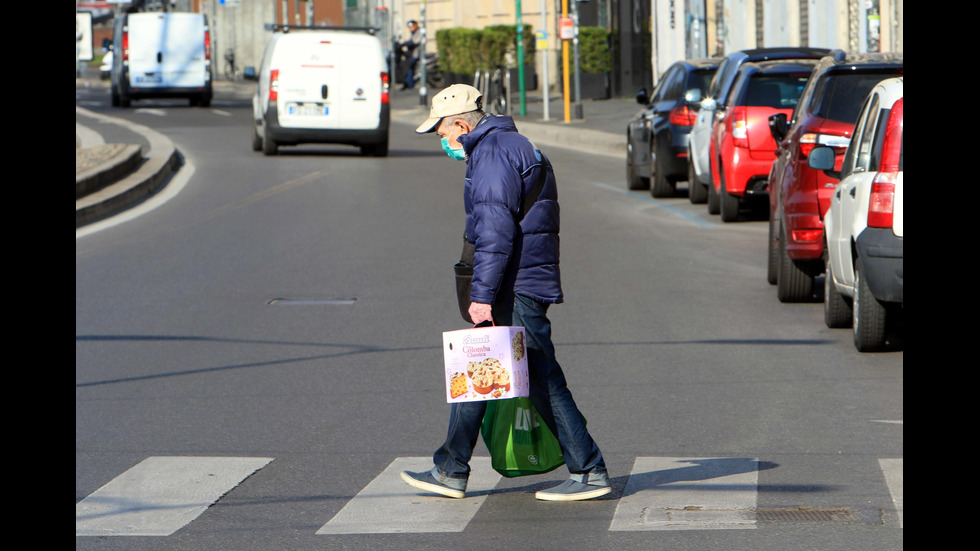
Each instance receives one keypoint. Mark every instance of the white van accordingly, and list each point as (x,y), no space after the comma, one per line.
(321,85)
(161,55)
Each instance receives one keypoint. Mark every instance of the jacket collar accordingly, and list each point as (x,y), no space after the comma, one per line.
(488,124)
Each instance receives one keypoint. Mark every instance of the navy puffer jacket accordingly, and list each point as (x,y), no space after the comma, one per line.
(501,167)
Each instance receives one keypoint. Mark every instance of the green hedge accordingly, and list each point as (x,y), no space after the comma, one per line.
(593,50)
(463,51)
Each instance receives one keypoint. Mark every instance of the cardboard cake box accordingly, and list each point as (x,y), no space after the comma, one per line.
(485,363)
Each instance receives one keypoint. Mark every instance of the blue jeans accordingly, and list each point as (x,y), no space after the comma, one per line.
(549,394)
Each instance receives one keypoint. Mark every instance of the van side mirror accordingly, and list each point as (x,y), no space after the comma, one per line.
(823,158)
(642,97)
(248,73)
(778,126)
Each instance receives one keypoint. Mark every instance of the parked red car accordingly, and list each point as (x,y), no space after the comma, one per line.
(799,195)
(742,149)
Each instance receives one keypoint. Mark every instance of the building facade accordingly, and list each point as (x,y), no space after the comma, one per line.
(646,35)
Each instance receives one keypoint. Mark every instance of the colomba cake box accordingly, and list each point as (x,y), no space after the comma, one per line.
(485,363)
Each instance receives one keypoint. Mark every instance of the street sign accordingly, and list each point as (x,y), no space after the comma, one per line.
(566,28)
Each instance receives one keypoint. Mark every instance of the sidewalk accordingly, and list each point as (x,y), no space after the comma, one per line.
(119,163)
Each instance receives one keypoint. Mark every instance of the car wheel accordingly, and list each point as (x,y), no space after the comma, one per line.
(836,309)
(256,138)
(772,270)
(633,181)
(729,204)
(660,186)
(869,317)
(269,145)
(794,282)
(696,191)
(713,202)
(379,149)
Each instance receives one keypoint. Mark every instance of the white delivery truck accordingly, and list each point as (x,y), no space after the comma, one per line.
(161,55)
(321,85)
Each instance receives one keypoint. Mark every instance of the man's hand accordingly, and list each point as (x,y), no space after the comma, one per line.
(480,313)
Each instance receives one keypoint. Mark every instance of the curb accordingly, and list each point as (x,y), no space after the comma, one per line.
(154,169)
(565,135)
(118,160)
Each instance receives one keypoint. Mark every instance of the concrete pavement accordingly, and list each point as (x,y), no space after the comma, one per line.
(119,163)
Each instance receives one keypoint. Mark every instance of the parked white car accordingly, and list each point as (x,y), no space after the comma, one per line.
(864,226)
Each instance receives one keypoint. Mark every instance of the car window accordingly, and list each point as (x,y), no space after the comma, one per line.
(865,153)
(661,92)
(715,87)
(776,91)
(698,79)
(838,96)
(670,87)
(847,166)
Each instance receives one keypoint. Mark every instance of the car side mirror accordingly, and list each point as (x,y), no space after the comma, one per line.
(248,73)
(778,126)
(823,158)
(692,96)
(642,97)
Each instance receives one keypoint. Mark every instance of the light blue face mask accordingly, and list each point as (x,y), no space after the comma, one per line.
(454,154)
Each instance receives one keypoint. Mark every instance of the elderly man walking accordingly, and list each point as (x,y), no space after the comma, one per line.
(515,279)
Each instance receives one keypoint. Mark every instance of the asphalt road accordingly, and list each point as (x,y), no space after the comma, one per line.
(289,311)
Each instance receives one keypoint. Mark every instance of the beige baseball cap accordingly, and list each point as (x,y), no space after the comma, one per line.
(454,100)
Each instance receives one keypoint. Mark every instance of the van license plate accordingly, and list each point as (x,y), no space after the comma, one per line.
(149,79)
(308,109)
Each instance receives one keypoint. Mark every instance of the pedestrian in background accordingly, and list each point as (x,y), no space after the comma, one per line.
(515,279)
(410,49)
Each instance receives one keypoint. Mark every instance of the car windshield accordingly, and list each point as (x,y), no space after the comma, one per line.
(839,96)
(776,91)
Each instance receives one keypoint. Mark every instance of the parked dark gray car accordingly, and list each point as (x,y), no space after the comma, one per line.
(656,138)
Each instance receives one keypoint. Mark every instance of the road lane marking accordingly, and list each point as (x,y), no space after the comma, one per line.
(894,471)
(160,495)
(691,217)
(684,493)
(388,505)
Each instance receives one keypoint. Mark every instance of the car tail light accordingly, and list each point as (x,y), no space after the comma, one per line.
(207,45)
(881,205)
(740,128)
(807,236)
(682,115)
(891,154)
(384,88)
(274,85)
(125,46)
(812,139)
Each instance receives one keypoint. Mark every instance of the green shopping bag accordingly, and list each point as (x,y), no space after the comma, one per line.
(520,443)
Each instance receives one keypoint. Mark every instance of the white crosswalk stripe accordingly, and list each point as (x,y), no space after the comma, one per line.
(389,505)
(894,471)
(160,495)
(684,493)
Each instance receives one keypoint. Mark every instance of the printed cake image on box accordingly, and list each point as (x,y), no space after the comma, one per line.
(485,363)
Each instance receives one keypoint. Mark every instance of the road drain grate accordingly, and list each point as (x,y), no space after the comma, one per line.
(806,514)
(773,515)
(311,301)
